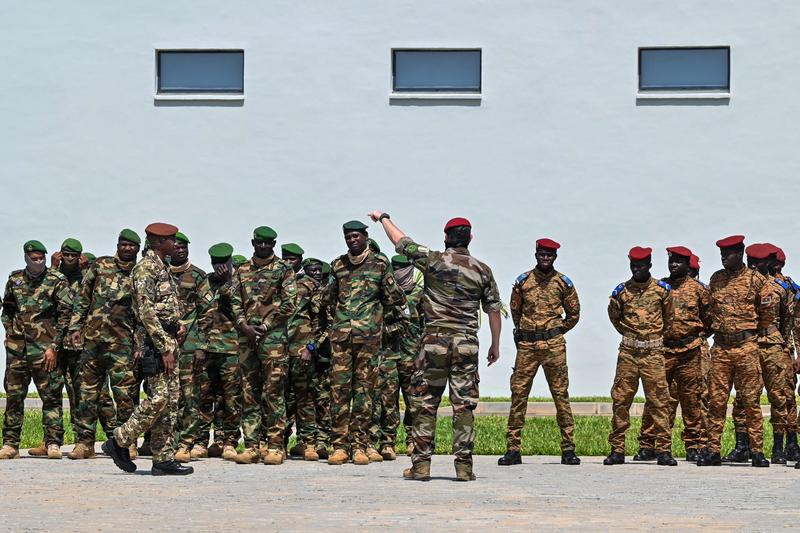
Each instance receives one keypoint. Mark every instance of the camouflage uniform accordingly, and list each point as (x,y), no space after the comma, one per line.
(456,286)
(641,313)
(157,308)
(735,313)
(35,315)
(264,293)
(220,373)
(321,384)
(359,294)
(683,361)
(103,314)
(544,306)
(194,295)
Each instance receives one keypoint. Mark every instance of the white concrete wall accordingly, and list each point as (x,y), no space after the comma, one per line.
(558,145)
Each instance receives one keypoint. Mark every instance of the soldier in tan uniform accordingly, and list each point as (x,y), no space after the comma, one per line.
(544,306)
(792,449)
(641,310)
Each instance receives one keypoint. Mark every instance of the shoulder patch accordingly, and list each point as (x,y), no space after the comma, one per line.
(664,285)
(567,281)
(616,292)
(412,248)
(16,272)
(521,278)
(782,283)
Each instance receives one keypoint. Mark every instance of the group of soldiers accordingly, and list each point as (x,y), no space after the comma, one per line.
(251,349)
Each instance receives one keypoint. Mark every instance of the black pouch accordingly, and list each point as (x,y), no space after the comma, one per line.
(152,363)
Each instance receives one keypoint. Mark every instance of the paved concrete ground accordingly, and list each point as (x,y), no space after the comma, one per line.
(46,495)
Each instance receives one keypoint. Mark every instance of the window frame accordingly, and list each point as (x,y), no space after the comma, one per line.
(199,93)
(683,90)
(433,92)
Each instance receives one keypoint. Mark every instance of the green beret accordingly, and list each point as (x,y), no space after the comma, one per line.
(326,268)
(130,235)
(311,261)
(90,256)
(264,233)
(354,225)
(72,245)
(220,252)
(374,246)
(34,246)
(238,260)
(400,261)
(292,249)
(180,237)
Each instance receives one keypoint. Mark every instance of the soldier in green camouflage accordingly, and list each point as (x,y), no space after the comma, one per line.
(363,286)
(456,286)
(321,384)
(103,324)
(157,335)
(194,295)
(263,300)
(35,315)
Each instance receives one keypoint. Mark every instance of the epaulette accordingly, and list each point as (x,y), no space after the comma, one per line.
(16,272)
(782,283)
(664,285)
(567,281)
(56,273)
(616,292)
(521,278)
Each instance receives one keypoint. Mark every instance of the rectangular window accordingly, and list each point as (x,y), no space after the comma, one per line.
(436,71)
(200,71)
(684,69)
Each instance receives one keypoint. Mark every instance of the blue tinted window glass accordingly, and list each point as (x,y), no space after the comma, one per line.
(684,68)
(437,70)
(201,72)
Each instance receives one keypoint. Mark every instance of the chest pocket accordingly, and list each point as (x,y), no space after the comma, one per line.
(163,289)
(366,284)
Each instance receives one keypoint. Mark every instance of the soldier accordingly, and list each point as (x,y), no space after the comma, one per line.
(158,332)
(194,295)
(238,260)
(363,285)
(322,366)
(103,324)
(705,349)
(792,449)
(35,316)
(544,306)
(641,310)
(737,293)
(682,359)
(263,300)
(456,286)
(292,253)
(90,258)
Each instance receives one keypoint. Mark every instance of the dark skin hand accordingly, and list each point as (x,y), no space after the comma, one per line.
(181,254)
(295,260)
(50,360)
(263,248)
(222,272)
(640,270)
(356,241)
(732,258)
(678,266)
(545,260)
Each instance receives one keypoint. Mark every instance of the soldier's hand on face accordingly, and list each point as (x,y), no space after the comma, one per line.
(494,354)
(375,215)
(169,362)
(76,338)
(199,357)
(50,360)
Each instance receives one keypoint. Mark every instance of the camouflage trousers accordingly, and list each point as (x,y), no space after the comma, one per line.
(646,365)
(552,357)
(353,375)
(104,364)
(158,413)
(686,387)
(264,370)
(705,368)
(69,361)
(189,404)
(219,384)
(735,365)
(322,392)
(777,374)
(447,359)
(394,379)
(300,397)
(21,369)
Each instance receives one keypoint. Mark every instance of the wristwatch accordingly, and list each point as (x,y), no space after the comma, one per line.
(383,215)
(310,347)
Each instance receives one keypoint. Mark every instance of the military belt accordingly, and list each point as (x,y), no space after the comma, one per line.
(680,343)
(532,336)
(733,338)
(640,344)
(768,331)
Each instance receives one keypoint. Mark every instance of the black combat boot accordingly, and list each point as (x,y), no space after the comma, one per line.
(741,453)
(666,459)
(792,449)
(170,468)
(708,458)
(121,456)
(645,454)
(692,455)
(759,461)
(614,458)
(778,455)
(569,458)
(510,458)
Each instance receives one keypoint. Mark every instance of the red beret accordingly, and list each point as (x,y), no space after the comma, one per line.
(638,253)
(160,229)
(680,250)
(547,244)
(771,248)
(694,262)
(456,222)
(758,251)
(780,255)
(733,240)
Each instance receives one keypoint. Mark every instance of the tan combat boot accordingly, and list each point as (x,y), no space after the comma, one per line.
(360,458)
(199,451)
(273,457)
(248,456)
(54,451)
(310,454)
(388,453)
(262,451)
(183,455)
(133,451)
(215,450)
(374,456)
(420,471)
(9,452)
(464,471)
(82,451)
(338,457)
(39,451)
(229,453)
(298,450)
